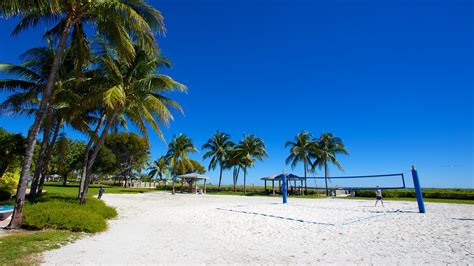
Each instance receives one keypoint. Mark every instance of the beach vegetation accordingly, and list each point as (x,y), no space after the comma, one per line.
(20,248)
(122,26)
(301,150)
(178,156)
(218,149)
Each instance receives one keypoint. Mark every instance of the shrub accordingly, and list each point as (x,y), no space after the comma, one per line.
(427,193)
(9,180)
(5,194)
(64,212)
(62,215)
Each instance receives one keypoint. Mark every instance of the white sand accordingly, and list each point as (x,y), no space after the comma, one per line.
(184,229)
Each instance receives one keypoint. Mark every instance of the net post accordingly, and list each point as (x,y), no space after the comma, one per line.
(284,189)
(419,195)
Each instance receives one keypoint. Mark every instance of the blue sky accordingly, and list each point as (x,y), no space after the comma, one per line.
(392,78)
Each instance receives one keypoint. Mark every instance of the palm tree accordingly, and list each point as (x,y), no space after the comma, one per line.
(27,82)
(133,91)
(159,168)
(249,149)
(325,152)
(178,155)
(300,151)
(219,147)
(117,21)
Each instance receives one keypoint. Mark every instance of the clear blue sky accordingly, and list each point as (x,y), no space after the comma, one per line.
(394,79)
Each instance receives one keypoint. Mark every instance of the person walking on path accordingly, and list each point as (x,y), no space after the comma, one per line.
(101,192)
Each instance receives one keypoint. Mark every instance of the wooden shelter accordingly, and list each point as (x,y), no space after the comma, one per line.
(289,178)
(195,177)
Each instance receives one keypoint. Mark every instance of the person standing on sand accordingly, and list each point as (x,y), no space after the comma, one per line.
(378,196)
(101,192)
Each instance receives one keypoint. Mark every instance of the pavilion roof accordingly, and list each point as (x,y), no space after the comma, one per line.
(193,176)
(278,177)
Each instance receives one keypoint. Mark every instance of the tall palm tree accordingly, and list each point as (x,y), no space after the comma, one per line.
(26,83)
(300,151)
(132,92)
(219,147)
(325,152)
(119,22)
(159,168)
(249,149)
(178,155)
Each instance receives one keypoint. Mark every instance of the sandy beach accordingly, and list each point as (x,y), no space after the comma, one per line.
(205,229)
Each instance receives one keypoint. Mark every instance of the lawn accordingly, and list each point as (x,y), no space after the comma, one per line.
(22,247)
(72,189)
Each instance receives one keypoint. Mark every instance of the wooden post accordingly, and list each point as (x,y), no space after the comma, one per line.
(205,180)
(273,186)
(196,186)
(265,182)
(182,184)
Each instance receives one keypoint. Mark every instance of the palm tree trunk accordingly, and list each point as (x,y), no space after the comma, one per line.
(173,191)
(245,180)
(45,171)
(93,156)
(17,218)
(44,146)
(326,177)
(305,183)
(86,155)
(220,178)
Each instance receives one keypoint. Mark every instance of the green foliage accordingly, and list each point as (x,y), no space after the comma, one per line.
(9,180)
(63,212)
(130,150)
(178,152)
(159,168)
(5,194)
(219,147)
(462,194)
(68,156)
(13,248)
(301,150)
(11,150)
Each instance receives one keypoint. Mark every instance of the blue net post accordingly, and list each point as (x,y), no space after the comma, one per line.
(419,195)
(284,189)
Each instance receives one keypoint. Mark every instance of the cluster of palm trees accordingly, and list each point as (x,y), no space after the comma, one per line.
(221,151)
(315,153)
(91,82)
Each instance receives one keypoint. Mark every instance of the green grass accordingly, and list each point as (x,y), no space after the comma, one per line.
(431,195)
(20,248)
(72,189)
(454,201)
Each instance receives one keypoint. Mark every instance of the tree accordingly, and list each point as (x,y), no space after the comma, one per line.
(66,105)
(133,91)
(219,147)
(118,22)
(130,150)
(249,149)
(159,168)
(67,157)
(178,155)
(300,151)
(11,150)
(325,152)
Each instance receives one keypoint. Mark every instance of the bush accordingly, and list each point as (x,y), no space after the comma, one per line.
(5,194)
(9,180)
(63,212)
(463,194)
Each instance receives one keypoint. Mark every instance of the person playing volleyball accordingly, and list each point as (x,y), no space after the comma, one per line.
(378,196)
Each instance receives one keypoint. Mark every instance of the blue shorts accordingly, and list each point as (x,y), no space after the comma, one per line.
(379,197)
